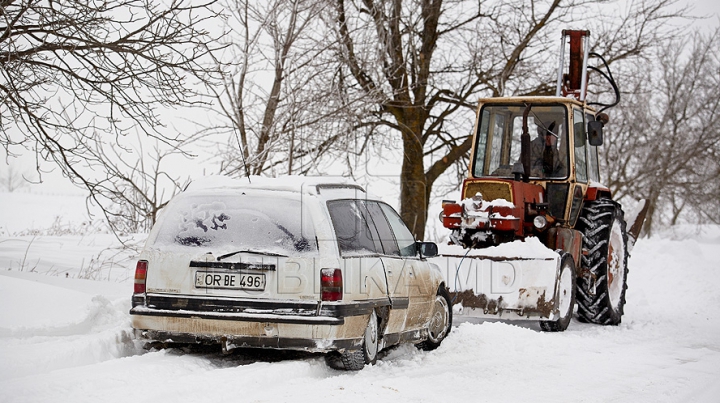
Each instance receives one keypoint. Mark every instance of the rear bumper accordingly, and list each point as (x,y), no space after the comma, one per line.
(239,341)
(264,317)
(253,310)
(280,324)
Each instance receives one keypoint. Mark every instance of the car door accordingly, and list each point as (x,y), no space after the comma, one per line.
(413,271)
(363,270)
(397,274)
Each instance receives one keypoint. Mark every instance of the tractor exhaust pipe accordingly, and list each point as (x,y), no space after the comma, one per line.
(525,145)
(573,83)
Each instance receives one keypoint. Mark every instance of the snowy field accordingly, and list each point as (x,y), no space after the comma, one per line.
(65,335)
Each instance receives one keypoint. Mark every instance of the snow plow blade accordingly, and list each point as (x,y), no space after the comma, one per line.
(502,287)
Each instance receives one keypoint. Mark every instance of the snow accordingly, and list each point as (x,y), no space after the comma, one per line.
(68,339)
(61,213)
(472,206)
(530,248)
(498,203)
(36,312)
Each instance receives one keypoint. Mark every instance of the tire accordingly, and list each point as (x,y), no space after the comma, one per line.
(602,286)
(356,360)
(565,296)
(440,322)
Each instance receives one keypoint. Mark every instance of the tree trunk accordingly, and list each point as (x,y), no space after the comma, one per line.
(413,187)
(647,229)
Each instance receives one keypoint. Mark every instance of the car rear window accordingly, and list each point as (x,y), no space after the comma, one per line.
(238,222)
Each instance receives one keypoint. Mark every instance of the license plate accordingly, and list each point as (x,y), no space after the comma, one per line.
(230,281)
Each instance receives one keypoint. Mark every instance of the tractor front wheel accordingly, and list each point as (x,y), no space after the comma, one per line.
(564,297)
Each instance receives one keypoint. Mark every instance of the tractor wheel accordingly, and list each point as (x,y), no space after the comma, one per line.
(601,288)
(565,297)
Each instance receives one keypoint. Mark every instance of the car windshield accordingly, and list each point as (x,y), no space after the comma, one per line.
(229,223)
(498,140)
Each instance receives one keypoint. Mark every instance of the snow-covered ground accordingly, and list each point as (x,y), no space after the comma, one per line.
(65,336)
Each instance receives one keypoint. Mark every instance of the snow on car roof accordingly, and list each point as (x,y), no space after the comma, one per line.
(290,183)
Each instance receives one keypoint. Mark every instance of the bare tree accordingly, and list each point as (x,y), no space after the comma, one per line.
(73,72)
(423,63)
(13,178)
(280,101)
(664,144)
(132,184)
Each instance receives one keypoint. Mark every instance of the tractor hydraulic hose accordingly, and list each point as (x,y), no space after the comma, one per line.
(609,77)
(457,275)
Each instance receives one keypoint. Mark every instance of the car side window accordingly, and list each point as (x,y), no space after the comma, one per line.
(385,233)
(403,236)
(354,235)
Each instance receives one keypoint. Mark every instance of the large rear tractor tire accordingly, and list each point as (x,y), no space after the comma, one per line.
(601,288)
(565,297)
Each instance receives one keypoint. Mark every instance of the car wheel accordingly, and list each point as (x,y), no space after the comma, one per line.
(440,320)
(356,360)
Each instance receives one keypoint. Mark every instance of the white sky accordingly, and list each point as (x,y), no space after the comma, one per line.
(707,10)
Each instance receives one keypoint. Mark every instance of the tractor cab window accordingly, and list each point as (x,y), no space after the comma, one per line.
(498,141)
(581,166)
(593,166)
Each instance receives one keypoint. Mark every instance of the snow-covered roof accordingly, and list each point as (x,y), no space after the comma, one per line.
(290,183)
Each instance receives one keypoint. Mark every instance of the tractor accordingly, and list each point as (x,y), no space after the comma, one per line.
(533,173)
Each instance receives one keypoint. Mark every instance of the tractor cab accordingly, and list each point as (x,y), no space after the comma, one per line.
(548,178)
(534,162)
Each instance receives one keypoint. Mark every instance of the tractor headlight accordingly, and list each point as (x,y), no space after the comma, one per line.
(540,222)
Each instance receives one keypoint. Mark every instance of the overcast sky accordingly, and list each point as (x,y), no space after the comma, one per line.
(706,8)
(709,10)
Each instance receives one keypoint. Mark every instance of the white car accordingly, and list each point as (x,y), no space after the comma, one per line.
(300,263)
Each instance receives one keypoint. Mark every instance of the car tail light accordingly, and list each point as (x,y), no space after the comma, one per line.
(140,276)
(331,285)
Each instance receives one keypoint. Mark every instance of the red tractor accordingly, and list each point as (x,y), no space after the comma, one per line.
(534,173)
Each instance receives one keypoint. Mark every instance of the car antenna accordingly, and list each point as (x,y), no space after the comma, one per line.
(242,155)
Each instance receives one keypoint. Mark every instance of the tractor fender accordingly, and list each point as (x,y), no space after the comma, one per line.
(596,191)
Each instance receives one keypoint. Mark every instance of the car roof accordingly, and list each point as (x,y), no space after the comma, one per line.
(328,186)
